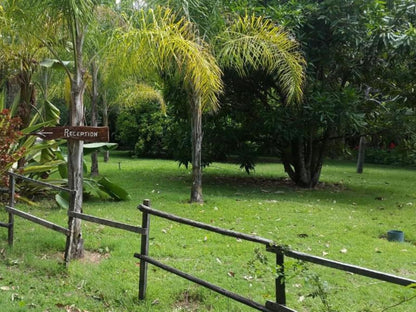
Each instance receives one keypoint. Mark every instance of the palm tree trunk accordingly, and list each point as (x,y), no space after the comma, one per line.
(105,122)
(94,122)
(196,125)
(75,151)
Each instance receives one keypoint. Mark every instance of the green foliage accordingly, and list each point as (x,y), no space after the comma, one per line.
(113,189)
(142,129)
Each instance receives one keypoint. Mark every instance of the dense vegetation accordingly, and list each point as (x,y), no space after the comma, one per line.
(203,81)
(359,78)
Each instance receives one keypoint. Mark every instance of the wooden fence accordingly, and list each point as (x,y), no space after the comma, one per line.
(12,211)
(280,252)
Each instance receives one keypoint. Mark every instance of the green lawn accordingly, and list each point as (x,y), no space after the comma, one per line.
(345,219)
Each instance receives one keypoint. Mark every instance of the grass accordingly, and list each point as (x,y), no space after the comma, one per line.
(346,219)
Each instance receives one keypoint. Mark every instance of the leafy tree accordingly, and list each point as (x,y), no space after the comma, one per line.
(345,46)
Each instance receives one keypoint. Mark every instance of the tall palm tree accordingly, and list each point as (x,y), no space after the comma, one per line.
(75,16)
(159,42)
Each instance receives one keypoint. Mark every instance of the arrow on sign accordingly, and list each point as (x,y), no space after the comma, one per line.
(43,133)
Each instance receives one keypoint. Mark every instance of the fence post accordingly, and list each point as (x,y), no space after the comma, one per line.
(69,238)
(12,181)
(144,250)
(280,279)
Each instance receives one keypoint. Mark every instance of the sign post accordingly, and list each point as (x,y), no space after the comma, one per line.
(74,241)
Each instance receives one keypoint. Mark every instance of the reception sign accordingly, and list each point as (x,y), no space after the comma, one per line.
(90,134)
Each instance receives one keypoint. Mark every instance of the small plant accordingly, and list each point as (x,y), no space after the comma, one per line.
(258,265)
(405,300)
(317,288)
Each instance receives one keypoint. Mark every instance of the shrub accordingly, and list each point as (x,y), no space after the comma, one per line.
(9,137)
(142,130)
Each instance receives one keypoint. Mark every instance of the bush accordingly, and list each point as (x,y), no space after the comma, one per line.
(399,156)
(142,130)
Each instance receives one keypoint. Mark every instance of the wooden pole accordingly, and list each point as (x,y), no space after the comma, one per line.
(70,237)
(280,279)
(12,182)
(144,250)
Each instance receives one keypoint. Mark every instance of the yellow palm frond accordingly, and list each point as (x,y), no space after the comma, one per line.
(159,41)
(253,42)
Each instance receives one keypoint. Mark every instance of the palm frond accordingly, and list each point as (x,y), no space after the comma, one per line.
(160,41)
(256,43)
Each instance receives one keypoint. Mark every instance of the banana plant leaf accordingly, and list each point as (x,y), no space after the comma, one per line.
(115,191)
(54,63)
(92,147)
(41,168)
(62,199)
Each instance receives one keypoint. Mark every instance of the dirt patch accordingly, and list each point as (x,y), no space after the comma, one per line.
(190,302)
(94,257)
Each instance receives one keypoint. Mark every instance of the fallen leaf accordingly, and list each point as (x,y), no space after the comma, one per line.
(231,274)
(343,250)
(5,288)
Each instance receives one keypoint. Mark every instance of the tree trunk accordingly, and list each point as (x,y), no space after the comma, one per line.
(105,122)
(303,159)
(361,155)
(196,126)
(75,150)
(94,121)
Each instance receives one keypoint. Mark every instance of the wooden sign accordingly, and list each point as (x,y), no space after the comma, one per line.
(90,134)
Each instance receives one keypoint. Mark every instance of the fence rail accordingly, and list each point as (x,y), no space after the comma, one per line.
(280,251)
(38,220)
(343,266)
(52,186)
(114,224)
(12,211)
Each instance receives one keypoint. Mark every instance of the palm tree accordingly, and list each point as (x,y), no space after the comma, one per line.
(75,16)
(253,43)
(243,44)
(159,42)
